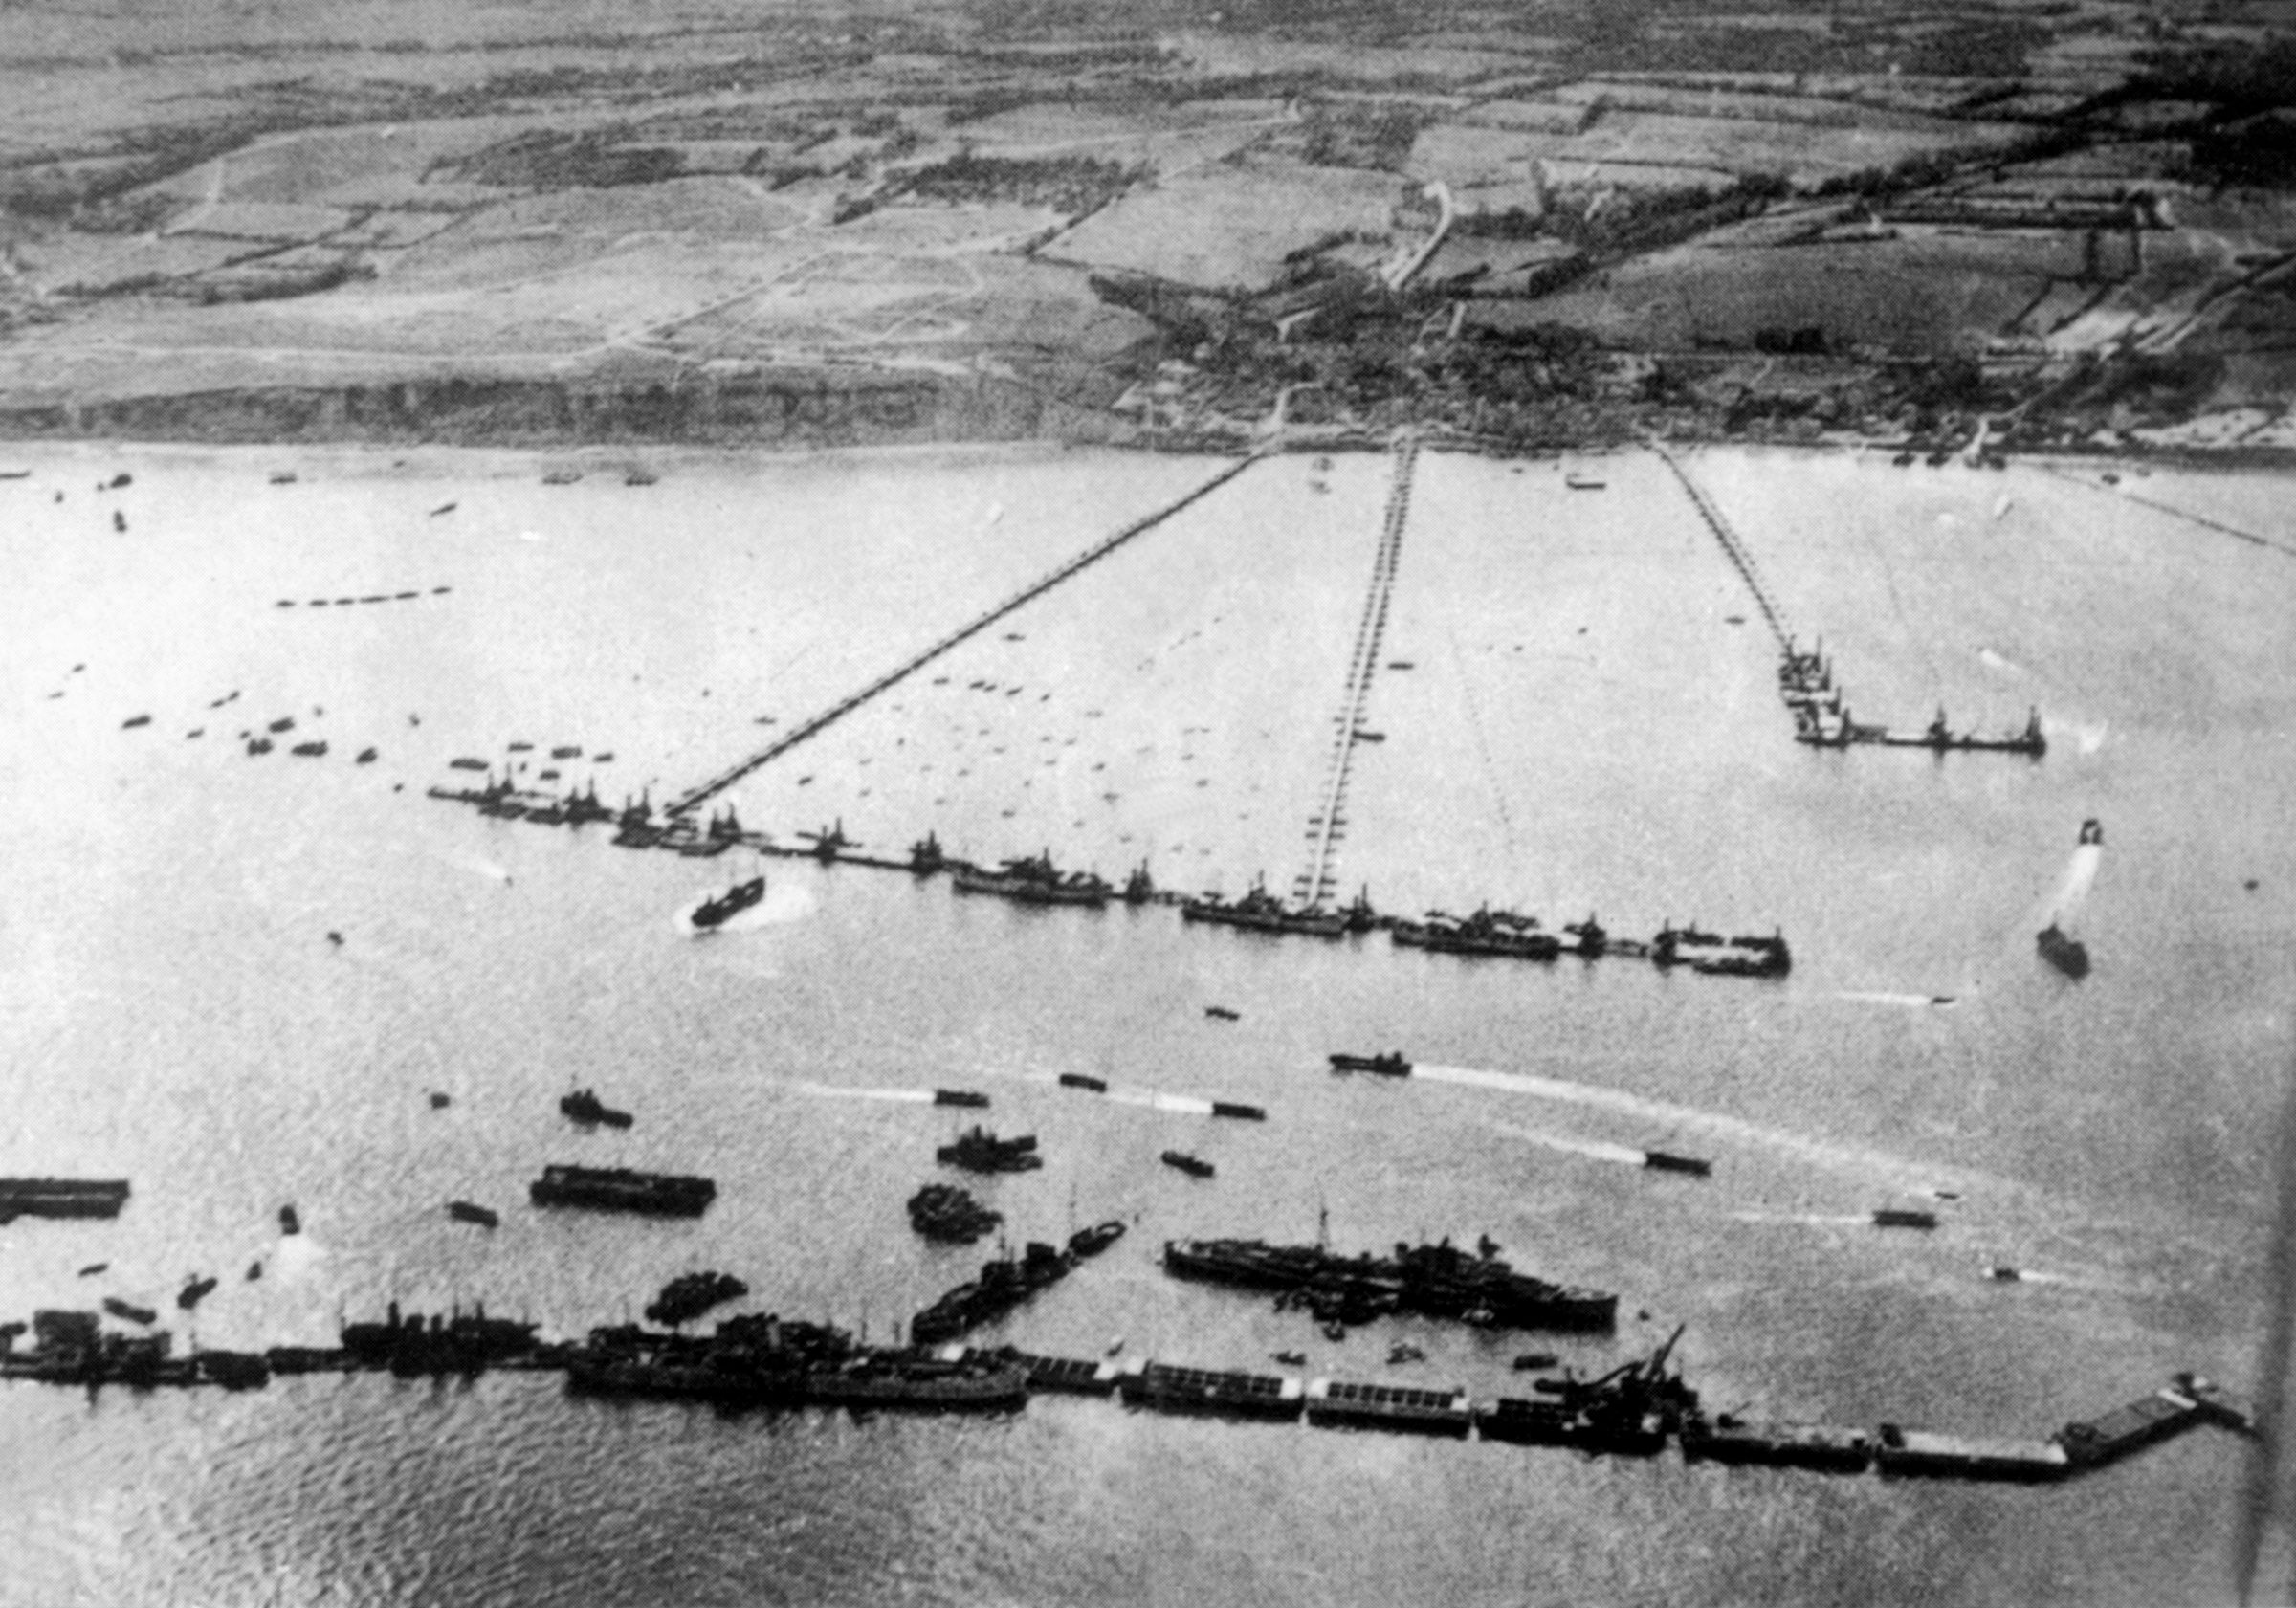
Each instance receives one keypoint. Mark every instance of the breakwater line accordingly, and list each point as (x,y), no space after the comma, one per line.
(686,804)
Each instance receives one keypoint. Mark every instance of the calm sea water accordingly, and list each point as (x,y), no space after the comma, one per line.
(172,1010)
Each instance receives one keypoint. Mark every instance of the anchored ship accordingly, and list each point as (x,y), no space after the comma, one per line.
(1439,1280)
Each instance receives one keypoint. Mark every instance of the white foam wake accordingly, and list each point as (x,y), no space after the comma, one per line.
(1595,1148)
(1663,1114)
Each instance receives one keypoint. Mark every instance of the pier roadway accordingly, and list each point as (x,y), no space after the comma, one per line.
(1742,558)
(1315,884)
(689,802)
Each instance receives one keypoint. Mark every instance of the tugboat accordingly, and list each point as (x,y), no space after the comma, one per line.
(584,1106)
(129,1310)
(2066,954)
(1194,1166)
(1904,1217)
(194,1291)
(1389,1065)
(958,1097)
(941,1211)
(976,1150)
(712,913)
(470,1211)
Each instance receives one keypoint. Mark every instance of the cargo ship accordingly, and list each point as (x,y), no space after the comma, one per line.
(618,1189)
(714,912)
(1438,1280)
(1003,1284)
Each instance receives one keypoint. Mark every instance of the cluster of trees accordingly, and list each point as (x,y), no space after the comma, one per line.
(543,159)
(1067,184)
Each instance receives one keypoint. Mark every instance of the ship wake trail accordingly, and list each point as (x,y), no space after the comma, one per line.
(1154,1100)
(1909,1001)
(1812,1219)
(1595,1148)
(905,1096)
(2079,874)
(1661,1114)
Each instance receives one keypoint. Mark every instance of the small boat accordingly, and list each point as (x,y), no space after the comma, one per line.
(309,750)
(958,1097)
(2092,831)
(1237,1109)
(1904,1217)
(285,477)
(1402,1351)
(1666,1161)
(1390,1064)
(289,1223)
(572,750)
(365,756)
(1578,482)
(585,1106)
(1221,1013)
(2068,955)
(129,1310)
(520,747)
(254,1271)
(194,1293)
(440,1100)
(93,1269)
(1195,1167)
(284,723)
(1533,1362)
(470,1211)
(1080,1080)
(468,764)
(258,745)
(1289,1359)
(2001,1272)
(135,720)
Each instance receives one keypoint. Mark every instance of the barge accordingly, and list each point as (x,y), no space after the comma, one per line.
(1399,1407)
(61,1198)
(618,1189)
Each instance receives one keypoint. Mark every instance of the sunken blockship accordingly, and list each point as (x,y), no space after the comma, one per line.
(1035,879)
(1435,1281)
